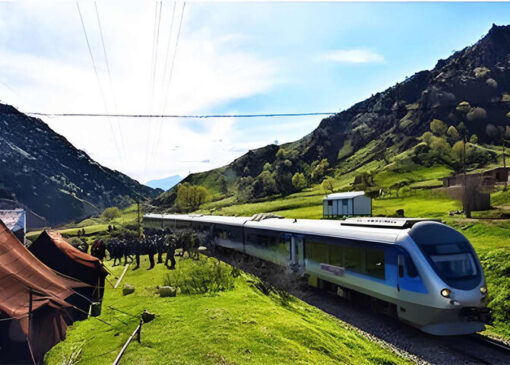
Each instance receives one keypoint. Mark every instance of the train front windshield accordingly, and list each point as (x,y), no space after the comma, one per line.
(449,253)
(452,260)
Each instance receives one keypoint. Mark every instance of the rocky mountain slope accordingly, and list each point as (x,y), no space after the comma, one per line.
(41,170)
(387,123)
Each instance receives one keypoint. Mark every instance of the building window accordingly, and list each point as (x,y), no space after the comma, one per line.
(344,203)
(330,203)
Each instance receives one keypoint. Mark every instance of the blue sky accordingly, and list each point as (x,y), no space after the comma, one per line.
(231,58)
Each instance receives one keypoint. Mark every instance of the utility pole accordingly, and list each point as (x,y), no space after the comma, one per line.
(138,221)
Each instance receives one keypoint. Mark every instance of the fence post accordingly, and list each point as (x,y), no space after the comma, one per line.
(139,333)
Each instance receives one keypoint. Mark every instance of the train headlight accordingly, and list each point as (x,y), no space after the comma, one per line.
(446,293)
(483,290)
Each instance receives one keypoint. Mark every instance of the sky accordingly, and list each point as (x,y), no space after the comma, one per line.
(228,58)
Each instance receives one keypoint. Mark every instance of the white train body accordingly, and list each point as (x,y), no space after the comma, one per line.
(426,270)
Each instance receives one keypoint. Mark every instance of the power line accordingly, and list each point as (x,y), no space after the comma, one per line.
(165,95)
(165,68)
(155,47)
(114,99)
(178,116)
(98,80)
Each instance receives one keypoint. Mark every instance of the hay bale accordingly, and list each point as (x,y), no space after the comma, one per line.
(167,291)
(128,289)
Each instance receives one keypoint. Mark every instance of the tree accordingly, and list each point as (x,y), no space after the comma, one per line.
(458,150)
(327,185)
(476,114)
(464,107)
(191,197)
(264,184)
(427,137)
(473,139)
(440,144)
(453,134)
(299,181)
(267,167)
(245,189)
(111,213)
(320,170)
(438,127)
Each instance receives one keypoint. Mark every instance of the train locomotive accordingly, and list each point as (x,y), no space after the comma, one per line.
(425,271)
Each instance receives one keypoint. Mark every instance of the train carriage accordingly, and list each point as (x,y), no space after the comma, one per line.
(424,270)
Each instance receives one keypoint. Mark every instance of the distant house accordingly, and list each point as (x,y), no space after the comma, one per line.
(346,204)
(489,177)
(16,221)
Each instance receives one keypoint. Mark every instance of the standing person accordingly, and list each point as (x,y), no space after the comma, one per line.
(171,243)
(151,250)
(160,247)
(138,250)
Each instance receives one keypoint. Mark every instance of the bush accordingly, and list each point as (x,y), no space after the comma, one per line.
(327,185)
(476,114)
(208,275)
(191,197)
(496,265)
(438,127)
(299,181)
(111,213)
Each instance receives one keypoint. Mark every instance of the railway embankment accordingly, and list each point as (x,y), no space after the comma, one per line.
(219,321)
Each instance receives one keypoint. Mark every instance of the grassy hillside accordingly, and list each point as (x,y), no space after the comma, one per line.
(236,326)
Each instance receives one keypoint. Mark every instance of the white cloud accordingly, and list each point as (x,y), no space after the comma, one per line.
(357,55)
(211,68)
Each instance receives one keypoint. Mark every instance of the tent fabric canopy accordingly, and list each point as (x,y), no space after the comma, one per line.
(53,250)
(23,276)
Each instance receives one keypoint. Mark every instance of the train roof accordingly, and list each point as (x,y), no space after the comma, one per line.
(375,229)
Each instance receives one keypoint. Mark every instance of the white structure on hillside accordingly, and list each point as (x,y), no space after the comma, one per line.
(16,221)
(346,204)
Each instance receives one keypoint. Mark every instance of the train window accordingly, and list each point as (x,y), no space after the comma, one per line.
(375,263)
(354,259)
(336,255)
(317,252)
(411,269)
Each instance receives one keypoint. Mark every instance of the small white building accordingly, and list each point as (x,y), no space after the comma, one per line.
(15,220)
(346,204)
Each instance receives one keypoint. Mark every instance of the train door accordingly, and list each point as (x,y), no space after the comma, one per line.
(297,253)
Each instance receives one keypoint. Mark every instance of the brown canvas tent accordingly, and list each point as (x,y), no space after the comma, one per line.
(33,307)
(53,250)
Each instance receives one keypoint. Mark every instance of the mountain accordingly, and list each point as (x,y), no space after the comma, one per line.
(42,171)
(471,86)
(165,183)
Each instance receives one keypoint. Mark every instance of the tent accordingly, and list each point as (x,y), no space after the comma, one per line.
(33,310)
(53,250)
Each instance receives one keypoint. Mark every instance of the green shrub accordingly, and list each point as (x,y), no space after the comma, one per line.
(111,213)
(496,265)
(208,276)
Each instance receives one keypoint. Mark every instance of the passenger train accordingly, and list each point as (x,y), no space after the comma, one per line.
(427,272)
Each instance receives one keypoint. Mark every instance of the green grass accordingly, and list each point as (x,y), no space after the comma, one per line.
(237,326)
(94,226)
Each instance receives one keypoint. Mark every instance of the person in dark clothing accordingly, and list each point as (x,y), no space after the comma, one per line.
(160,247)
(138,250)
(171,243)
(151,250)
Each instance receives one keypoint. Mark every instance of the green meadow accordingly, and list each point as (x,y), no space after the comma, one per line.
(231,324)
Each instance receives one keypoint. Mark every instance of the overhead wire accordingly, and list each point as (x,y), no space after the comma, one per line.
(165,95)
(114,99)
(101,91)
(165,68)
(155,46)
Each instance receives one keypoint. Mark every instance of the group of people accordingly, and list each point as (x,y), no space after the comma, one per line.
(152,243)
